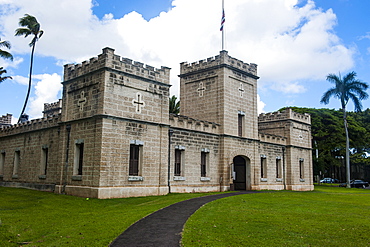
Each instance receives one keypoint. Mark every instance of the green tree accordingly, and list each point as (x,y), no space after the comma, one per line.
(345,89)
(29,26)
(5,54)
(174,105)
(3,78)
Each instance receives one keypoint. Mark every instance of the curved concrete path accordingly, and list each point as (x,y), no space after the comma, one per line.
(163,228)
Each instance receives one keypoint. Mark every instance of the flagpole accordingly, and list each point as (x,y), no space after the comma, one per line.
(222,24)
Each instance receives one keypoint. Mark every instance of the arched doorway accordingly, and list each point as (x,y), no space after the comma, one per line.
(241,173)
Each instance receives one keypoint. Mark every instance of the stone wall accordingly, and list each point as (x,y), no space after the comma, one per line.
(218,90)
(5,120)
(193,143)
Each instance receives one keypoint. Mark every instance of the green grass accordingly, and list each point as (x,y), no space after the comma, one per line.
(35,218)
(328,216)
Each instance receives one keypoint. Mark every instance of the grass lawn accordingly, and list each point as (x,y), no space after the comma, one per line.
(328,216)
(34,218)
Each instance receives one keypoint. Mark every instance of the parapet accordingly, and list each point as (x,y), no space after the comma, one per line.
(6,119)
(222,59)
(110,60)
(51,109)
(184,122)
(288,113)
(270,138)
(31,125)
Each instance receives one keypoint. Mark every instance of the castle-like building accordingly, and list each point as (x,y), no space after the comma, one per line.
(111,134)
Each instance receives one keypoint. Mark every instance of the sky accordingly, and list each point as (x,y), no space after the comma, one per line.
(295,43)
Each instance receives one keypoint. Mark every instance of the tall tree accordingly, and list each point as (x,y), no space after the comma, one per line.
(3,78)
(29,26)
(174,106)
(346,88)
(5,54)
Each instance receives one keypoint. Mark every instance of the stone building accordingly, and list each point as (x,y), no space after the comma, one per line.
(111,134)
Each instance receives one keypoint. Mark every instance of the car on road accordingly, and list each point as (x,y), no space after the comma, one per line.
(356,184)
(327,180)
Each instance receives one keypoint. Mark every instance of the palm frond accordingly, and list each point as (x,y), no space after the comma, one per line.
(5,43)
(22,31)
(6,55)
(327,95)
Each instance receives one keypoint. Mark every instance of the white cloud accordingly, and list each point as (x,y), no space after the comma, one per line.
(288,43)
(47,90)
(9,64)
(260,105)
(20,80)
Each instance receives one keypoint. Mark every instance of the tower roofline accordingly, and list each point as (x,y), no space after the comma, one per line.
(223,60)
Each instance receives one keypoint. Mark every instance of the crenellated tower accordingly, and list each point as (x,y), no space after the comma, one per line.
(116,86)
(221,89)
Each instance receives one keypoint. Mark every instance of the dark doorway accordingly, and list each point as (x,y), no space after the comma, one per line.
(240,173)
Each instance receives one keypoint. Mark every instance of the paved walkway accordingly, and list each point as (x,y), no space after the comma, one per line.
(163,228)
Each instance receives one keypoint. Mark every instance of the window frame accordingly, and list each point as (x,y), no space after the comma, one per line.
(78,162)
(263,166)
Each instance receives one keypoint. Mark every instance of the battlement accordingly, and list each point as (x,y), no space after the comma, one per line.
(6,119)
(285,115)
(222,59)
(110,60)
(179,121)
(31,125)
(51,109)
(270,138)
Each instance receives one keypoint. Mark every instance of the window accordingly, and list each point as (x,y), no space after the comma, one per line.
(301,168)
(44,160)
(134,160)
(177,162)
(241,115)
(278,167)
(79,156)
(263,166)
(203,164)
(17,158)
(2,163)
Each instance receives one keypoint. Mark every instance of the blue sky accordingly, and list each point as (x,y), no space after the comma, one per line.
(295,43)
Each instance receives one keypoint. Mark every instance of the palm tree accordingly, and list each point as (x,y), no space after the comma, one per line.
(5,54)
(174,107)
(3,78)
(345,89)
(29,26)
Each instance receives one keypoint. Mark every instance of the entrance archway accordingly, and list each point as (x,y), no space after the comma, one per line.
(241,173)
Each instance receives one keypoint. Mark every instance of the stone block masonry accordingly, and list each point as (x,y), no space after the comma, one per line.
(111,135)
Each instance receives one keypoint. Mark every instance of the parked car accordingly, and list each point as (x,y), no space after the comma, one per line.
(327,180)
(356,184)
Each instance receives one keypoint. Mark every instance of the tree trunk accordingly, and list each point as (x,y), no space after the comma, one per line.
(29,84)
(348,169)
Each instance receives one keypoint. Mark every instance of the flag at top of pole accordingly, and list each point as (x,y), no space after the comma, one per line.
(222,23)
(222,19)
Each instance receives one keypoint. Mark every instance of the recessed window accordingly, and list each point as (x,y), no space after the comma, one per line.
(301,168)
(177,171)
(204,162)
(263,166)
(241,116)
(278,167)
(17,159)
(134,160)
(2,162)
(44,160)
(179,160)
(79,157)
